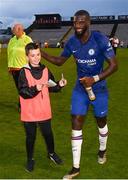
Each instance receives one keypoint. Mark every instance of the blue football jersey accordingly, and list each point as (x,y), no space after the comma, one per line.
(89,56)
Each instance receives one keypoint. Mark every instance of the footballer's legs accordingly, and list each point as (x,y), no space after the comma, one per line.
(103,136)
(76,141)
(79,108)
(100,110)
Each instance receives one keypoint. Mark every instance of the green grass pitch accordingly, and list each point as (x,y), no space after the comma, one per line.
(12,137)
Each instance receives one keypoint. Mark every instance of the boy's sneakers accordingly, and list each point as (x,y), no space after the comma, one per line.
(30,165)
(102,157)
(55,158)
(73,173)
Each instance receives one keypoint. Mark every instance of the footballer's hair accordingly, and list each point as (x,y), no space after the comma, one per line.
(82,13)
(31,46)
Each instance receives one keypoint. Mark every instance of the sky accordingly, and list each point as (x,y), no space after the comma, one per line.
(23,11)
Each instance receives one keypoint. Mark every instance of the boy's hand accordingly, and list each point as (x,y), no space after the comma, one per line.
(63,81)
(39,87)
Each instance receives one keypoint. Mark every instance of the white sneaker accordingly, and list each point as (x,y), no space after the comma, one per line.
(102,157)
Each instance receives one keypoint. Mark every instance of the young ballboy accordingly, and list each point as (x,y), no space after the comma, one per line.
(35,103)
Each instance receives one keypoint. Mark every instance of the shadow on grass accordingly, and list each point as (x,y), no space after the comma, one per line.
(6,105)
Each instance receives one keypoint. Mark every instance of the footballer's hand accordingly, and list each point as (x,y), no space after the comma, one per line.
(39,87)
(87,81)
(63,81)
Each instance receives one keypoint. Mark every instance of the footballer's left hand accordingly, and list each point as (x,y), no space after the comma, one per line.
(87,81)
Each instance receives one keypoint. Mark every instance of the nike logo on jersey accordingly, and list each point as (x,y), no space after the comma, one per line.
(74,51)
(103,112)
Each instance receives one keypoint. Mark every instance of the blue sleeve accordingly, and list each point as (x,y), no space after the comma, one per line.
(106,46)
(66,52)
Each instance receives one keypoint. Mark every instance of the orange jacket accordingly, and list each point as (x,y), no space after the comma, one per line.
(37,108)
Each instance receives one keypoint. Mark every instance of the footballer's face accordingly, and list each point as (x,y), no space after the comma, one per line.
(34,57)
(81,25)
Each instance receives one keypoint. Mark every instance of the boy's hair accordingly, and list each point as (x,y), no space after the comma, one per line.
(31,46)
(82,13)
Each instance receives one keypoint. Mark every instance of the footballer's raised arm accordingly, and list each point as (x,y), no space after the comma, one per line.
(60,60)
(110,69)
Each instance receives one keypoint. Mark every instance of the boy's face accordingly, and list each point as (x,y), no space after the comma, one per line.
(34,57)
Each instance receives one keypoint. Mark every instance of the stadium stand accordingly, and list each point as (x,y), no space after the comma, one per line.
(105,28)
(122,33)
(51,28)
(106,24)
(52,36)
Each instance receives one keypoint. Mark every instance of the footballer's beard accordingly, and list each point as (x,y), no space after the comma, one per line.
(80,34)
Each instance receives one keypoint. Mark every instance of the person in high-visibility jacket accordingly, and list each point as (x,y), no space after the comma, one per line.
(35,82)
(16,51)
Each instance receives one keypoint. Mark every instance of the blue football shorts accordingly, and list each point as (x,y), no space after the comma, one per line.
(80,103)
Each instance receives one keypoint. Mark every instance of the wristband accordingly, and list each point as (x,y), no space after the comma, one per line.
(96,78)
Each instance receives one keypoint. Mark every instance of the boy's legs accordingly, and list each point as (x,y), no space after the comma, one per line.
(30,130)
(46,131)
